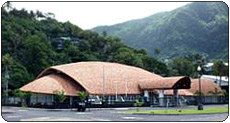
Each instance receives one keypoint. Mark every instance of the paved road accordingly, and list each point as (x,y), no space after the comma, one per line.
(96,114)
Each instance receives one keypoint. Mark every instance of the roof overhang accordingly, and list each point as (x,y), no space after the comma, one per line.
(50,83)
(166,83)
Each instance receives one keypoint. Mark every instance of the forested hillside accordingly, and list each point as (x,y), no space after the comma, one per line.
(199,27)
(32,42)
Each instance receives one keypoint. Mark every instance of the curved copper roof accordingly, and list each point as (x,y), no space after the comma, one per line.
(101,78)
(116,78)
(179,82)
(207,86)
(48,84)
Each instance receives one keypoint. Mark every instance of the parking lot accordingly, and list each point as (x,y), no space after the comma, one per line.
(100,114)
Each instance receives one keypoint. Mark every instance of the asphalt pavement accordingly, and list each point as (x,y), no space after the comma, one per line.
(101,114)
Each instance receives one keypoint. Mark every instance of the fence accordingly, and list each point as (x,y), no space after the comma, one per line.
(193,100)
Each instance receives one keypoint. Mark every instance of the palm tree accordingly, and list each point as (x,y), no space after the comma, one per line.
(7,61)
(82,95)
(8,5)
(225,94)
(218,69)
(60,95)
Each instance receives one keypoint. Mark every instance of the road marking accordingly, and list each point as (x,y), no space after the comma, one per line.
(131,118)
(204,118)
(22,110)
(82,113)
(13,116)
(121,108)
(37,119)
(101,120)
(54,119)
(67,119)
(7,110)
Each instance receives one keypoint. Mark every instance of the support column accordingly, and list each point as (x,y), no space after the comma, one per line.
(161,97)
(175,97)
(71,100)
(36,98)
(146,96)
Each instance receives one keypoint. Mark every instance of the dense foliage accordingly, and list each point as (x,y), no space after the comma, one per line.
(199,27)
(31,41)
(59,96)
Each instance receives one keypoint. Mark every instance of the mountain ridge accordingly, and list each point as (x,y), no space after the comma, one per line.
(197,27)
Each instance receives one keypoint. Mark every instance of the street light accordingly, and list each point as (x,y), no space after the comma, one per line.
(200,106)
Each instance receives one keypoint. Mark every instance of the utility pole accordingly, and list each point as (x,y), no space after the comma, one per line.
(103,83)
(116,85)
(116,90)
(126,86)
(6,83)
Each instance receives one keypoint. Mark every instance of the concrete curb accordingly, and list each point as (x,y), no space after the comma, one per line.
(179,114)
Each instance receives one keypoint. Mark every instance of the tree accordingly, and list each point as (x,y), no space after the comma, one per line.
(215,93)
(60,95)
(72,52)
(157,52)
(82,95)
(124,55)
(15,39)
(7,61)
(36,54)
(104,33)
(8,5)
(22,96)
(197,60)
(155,66)
(52,15)
(19,76)
(225,94)
(39,14)
(32,15)
(181,66)
(219,69)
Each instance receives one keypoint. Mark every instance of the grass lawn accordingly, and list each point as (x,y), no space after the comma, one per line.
(183,111)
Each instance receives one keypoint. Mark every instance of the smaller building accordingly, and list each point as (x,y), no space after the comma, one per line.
(58,43)
(208,67)
(210,91)
(216,79)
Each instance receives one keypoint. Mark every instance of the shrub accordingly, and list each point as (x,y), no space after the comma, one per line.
(138,103)
(22,96)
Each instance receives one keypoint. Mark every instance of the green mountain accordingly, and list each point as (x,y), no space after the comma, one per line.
(199,27)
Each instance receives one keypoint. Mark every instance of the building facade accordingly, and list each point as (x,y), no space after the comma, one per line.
(108,84)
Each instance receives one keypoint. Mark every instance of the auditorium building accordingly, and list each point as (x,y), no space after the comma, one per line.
(113,83)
